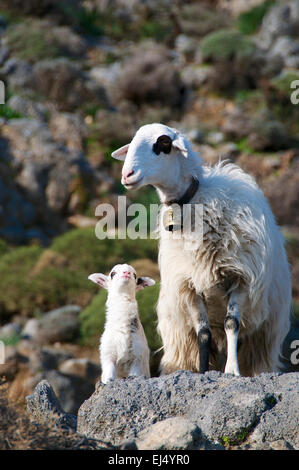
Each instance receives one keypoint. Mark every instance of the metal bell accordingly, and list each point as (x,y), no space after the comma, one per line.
(173,220)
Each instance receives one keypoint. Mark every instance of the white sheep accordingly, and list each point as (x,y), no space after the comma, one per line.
(123,348)
(230,295)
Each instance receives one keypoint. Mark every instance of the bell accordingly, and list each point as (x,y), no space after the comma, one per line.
(172,221)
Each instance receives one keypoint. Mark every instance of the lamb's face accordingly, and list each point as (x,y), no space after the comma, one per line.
(153,157)
(122,279)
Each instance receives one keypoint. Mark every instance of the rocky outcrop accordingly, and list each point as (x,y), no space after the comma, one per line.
(184,410)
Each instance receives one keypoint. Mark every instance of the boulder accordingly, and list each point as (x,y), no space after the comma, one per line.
(218,409)
(45,408)
(61,324)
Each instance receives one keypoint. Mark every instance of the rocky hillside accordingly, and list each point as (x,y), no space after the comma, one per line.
(80,78)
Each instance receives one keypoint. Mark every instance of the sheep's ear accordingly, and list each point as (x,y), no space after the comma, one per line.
(179,144)
(120,154)
(99,279)
(143,282)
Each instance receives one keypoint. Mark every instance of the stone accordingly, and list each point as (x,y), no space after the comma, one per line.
(227,410)
(45,408)
(170,434)
(61,324)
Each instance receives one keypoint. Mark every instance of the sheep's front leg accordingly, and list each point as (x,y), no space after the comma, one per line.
(231,327)
(204,337)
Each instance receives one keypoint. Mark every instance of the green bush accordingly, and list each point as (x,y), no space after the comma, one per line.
(31,41)
(92,320)
(33,282)
(16,294)
(250,20)
(226,44)
(3,247)
(8,113)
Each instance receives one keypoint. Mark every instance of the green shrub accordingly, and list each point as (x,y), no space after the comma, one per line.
(31,41)
(283,81)
(34,280)
(249,21)
(225,44)
(8,113)
(3,247)
(16,295)
(92,320)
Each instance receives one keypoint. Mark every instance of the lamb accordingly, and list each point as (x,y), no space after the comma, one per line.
(123,348)
(225,303)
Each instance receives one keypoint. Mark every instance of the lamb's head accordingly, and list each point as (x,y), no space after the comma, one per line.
(122,280)
(154,156)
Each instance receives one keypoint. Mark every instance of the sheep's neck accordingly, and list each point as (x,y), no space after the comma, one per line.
(174,191)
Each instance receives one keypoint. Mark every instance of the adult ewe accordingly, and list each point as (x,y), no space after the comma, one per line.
(231,293)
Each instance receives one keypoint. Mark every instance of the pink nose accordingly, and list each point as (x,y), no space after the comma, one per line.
(127,272)
(127,174)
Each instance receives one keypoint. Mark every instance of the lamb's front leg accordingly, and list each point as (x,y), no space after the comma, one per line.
(231,327)
(108,371)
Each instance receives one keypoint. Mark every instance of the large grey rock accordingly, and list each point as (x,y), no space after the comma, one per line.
(226,409)
(57,325)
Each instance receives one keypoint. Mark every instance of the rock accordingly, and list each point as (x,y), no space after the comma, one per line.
(10,330)
(287,49)
(282,192)
(81,367)
(27,107)
(281,20)
(169,434)
(69,129)
(18,73)
(66,85)
(61,324)
(71,390)
(44,407)
(226,409)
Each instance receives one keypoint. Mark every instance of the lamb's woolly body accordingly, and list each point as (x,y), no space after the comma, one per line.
(123,339)
(241,245)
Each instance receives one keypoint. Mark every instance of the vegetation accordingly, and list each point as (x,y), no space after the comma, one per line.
(36,280)
(8,113)
(226,44)
(32,41)
(249,21)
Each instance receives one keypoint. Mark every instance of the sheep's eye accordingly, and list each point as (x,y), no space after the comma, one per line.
(112,274)
(135,275)
(163,144)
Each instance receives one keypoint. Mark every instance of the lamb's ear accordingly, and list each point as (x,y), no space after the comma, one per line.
(120,154)
(143,282)
(99,279)
(179,144)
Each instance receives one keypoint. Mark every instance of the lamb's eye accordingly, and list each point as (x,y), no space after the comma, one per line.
(163,144)
(135,275)
(112,274)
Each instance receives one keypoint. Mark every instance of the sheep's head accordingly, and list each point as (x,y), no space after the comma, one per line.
(153,157)
(122,280)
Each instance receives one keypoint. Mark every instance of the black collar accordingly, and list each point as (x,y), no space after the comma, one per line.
(187,196)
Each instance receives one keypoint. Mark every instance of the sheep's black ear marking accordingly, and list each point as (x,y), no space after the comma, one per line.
(162,144)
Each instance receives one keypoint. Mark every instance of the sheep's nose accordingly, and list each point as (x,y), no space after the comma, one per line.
(127,272)
(127,174)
